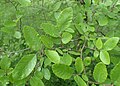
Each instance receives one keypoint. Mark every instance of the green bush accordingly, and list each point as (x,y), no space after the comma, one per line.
(59,42)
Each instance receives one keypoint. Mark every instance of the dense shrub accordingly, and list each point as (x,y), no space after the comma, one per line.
(59,43)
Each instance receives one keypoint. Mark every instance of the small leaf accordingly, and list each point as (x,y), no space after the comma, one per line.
(62,71)
(47,62)
(50,29)
(87,61)
(102,20)
(99,43)
(47,41)
(35,81)
(17,35)
(39,74)
(79,81)
(65,18)
(24,2)
(100,72)
(96,53)
(79,65)
(87,2)
(74,53)
(70,30)
(5,63)
(31,38)
(24,67)
(111,43)
(115,73)
(66,59)
(104,57)
(66,37)
(46,73)
(85,77)
(53,56)
(56,6)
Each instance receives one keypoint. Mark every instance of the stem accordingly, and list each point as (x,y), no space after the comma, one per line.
(81,54)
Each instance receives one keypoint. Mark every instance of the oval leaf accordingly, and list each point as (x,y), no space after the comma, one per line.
(50,29)
(35,81)
(66,37)
(5,63)
(87,61)
(66,59)
(24,67)
(62,71)
(102,20)
(46,73)
(47,41)
(79,81)
(79,65)
(100,72)
(53,56)
(31,38)
(111,43)
(104,57)
(99,43)
(115,73)
(65,19)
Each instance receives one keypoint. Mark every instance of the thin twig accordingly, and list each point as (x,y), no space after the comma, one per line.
(82,49)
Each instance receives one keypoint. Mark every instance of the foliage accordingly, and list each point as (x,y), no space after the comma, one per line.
(59,42)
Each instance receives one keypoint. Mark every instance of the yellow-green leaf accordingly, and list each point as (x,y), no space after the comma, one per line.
(53,56)
(62,71)
(111,43)
(100,72)
(104,57)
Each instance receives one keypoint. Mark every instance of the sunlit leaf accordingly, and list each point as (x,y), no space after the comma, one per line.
(62,71)
(24,67)
(53,56)
(100,72)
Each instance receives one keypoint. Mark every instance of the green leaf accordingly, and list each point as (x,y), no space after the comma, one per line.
(79,81)
(87,2)
(46,73)
(31,38)
(24,2)
(102,20)
(35,81)
(5,63)
(115,73)
(53,56)
(62,71)
(111,43)
(2,73)
(17,35)
(47,41)
(70,30)
(47,62)
(50,29)
(87,61)
(65,19)
(99,43)
(96,53)
(108,2)
(74,53)
(56,6)
(66,59)
(66,37)
(79,65)
(39,74)
(85,77)
(100,72)
(104,57)
(24,67)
